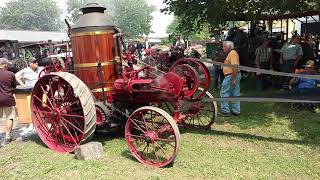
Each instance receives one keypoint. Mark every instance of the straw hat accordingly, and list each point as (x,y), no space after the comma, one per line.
(310,63)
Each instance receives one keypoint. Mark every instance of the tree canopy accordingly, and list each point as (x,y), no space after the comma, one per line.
(41,15)
(217,12)
(175,28)
(132,16)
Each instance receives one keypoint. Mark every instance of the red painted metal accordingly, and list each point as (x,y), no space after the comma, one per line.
(57,114)
(190,77)
(152,136)
(65,113)
(202,71)
(201,114)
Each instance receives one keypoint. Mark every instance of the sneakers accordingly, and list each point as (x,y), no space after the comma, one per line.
(235,114)
(228,114)
(222,114)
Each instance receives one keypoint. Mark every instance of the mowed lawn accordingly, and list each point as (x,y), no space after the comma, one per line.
(268,141)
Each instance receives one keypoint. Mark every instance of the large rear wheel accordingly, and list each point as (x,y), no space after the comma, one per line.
(152,136)
(202,71)
(63,111)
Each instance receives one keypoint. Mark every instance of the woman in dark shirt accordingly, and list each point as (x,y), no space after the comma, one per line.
(7,100)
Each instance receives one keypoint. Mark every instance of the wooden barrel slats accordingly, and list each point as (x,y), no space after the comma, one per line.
(93,53)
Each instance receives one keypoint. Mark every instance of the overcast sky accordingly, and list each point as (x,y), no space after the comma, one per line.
(159,23)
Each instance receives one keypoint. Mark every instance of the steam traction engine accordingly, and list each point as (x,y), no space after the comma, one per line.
(102,92)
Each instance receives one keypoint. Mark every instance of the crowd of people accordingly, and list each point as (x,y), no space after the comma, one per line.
(9,82)
(295,57)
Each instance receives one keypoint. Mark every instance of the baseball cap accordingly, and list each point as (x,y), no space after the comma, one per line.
(33,59)
(4,61)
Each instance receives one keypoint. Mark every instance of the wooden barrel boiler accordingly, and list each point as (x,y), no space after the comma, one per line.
(94,49)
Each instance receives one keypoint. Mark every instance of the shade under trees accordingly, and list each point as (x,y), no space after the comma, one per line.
(41,15)
(195,13)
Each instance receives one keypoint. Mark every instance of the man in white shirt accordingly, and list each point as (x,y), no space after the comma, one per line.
(180,44)
(28,77)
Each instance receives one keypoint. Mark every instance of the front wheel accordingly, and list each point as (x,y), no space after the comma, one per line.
(152,136)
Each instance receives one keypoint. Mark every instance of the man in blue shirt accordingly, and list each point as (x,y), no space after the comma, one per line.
(303,85)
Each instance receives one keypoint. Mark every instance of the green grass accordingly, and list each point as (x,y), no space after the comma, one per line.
(268,141)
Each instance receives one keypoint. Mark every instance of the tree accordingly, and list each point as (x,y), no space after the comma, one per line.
(218,12)
(176,27)
(41,15)
(132,16)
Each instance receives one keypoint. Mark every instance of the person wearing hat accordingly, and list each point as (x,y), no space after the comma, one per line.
(28,77)
(303,85)
(7,100)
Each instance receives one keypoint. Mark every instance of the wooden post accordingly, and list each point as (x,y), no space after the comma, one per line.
(287,30)
(305,27)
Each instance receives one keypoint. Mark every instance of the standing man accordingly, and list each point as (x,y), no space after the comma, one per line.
(291,53)
(28,77)
(7,100)
(263,61)
(231,83)
(308,52)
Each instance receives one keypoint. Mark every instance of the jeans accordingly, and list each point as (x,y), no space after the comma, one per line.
(227,90)
(261,80)
(288,67)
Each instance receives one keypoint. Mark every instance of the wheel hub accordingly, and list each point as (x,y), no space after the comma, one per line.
(56,114)
(194,109)
(151,136)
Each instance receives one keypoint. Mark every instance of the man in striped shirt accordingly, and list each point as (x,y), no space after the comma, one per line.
(263,61)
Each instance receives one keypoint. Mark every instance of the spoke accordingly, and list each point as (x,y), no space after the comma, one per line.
(69,133)
(138,137)
(65,96)
(45,112)
(72,115)
(200,120)
(46,93)
(155,152)
(36,97)
(74,131)
(162,150)
(40,126)
(143,152)
(77,122)
(165,140)
(63,136)
(54,103)
(58,91)
(139,128)
(72,125)
(144,121)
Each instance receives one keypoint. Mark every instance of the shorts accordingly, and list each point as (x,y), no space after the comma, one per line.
(7,113)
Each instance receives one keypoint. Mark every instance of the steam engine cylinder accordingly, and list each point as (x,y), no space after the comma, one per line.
(94,49)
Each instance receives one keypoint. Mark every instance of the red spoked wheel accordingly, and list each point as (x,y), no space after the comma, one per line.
(202,112)
(190,77)
(48,70)
(55,66)
(202,70)
(63,111)
(152,136)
